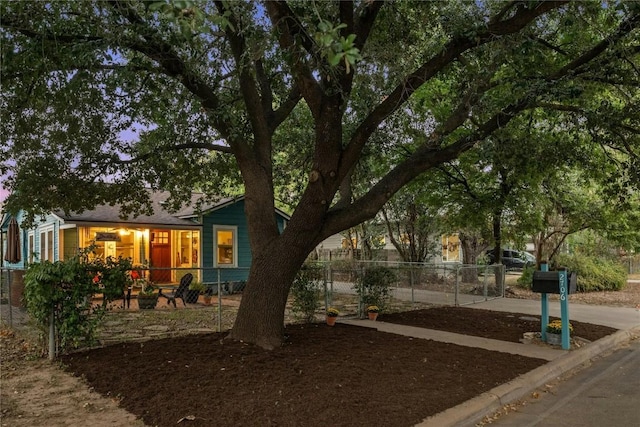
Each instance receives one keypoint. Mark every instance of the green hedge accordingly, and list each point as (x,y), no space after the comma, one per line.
(594,274)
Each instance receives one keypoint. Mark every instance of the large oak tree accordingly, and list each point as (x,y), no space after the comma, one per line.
(217,91)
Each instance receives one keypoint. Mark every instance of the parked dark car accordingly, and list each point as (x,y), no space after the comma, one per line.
(511,259)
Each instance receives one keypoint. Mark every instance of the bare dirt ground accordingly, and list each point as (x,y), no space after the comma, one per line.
(342,375)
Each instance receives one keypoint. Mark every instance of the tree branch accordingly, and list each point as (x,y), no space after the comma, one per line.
(361,28)
(449,53)
(164,54)
(283,18)
(285,108)
(426,157)
(188,145)
(248,88)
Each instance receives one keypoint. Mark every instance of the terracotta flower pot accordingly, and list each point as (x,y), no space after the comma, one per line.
(331,320)
(372,316)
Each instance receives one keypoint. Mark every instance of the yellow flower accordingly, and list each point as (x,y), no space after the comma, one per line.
(332,312)
(555,327)
(373,309)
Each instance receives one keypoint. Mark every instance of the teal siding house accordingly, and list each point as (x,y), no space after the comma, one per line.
(225,241)
(212,243)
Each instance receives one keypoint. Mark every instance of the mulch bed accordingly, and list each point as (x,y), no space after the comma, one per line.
(341,376)
(486,323)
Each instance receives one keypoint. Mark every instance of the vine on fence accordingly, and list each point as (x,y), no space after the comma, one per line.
(66,288)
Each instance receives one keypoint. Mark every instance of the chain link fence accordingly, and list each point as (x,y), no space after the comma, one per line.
(411,284)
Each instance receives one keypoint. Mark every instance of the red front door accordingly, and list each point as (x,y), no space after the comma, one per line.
(160,256)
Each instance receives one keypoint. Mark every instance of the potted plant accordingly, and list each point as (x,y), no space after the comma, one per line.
(373,311)
(208,294)
(332,314)
(554,332)
(194,291)
(147,298)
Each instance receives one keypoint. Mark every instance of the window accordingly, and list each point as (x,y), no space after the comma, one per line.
(46,244)
(160,237)
(225,246)
(32,246)
(450,248)
(349,244)
(187,256)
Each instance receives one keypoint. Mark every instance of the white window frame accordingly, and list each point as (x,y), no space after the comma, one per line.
(49,247)
(234,231)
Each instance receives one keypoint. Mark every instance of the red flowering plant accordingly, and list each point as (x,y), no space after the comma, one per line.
(113,276)
(138,279)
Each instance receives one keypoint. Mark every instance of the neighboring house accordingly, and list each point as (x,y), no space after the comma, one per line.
(212,244)
(338,247)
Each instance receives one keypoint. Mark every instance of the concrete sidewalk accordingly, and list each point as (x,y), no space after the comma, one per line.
(528,350)
(560,361)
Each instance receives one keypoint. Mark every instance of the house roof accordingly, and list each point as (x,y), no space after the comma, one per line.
(219,204)
(111,214)
(185,217)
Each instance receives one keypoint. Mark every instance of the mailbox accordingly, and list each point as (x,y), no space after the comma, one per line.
(548,282)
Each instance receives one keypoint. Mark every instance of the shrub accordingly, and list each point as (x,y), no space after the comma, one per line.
(594,274)
(526,279)
(197,286)
(67,288)
(306,292)
(373,286)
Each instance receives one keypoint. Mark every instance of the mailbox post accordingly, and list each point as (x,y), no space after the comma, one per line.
(564,309)
(555,282)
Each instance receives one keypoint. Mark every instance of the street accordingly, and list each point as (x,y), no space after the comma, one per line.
(607,393)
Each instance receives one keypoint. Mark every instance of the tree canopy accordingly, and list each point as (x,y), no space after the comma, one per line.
(222,93)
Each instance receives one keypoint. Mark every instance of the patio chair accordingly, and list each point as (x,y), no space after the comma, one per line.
(179,292)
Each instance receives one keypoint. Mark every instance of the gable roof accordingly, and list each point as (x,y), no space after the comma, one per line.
(220,204)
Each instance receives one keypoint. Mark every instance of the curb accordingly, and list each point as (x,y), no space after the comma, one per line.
(473,411)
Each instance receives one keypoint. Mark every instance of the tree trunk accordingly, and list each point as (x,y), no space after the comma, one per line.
(469,255)
(260,318)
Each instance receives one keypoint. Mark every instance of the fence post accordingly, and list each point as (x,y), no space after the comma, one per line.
(361,293)
(330,276)
(219,303)
(326,293)
(456,303)
(413,300)
(486,292)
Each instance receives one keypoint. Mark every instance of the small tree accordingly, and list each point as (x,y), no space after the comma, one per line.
(373,287)
(306,293)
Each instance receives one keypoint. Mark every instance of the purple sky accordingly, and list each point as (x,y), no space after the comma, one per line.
(3,194)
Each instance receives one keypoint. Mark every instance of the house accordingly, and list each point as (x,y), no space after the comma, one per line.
(212,243)
(339,247)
